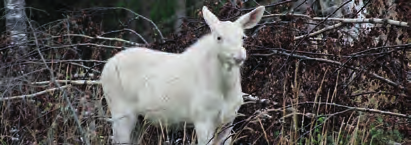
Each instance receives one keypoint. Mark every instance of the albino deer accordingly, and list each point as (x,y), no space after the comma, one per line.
(202,85)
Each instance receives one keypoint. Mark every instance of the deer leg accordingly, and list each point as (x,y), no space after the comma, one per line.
(123,124)
(224,135)
(204,130)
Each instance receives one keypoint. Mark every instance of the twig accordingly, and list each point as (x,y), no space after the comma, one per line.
(86,44)
(376,48)
(371,20)
(33,95)
(73,63)
(86,67)
(320,31)
(135,33)
(61,61)
(288,14)
(254,99)
(332,62)
(354,108)
(102,38)
(73,82)
(380,53)
(369,93)
(309,115)
(138,15)
(267,6)
(250,98)
(262,48)
(125,29)
(263,114)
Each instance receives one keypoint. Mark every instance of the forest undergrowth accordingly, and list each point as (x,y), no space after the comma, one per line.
(304,86)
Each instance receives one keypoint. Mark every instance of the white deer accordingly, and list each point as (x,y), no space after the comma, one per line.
(202,85)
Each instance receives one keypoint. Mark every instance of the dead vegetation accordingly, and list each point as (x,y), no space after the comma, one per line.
(310,90)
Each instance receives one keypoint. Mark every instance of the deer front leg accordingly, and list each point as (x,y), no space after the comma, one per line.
(204,130)
(224,135)
(123,124)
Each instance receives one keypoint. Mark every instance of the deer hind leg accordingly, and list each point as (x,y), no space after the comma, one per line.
(123,125)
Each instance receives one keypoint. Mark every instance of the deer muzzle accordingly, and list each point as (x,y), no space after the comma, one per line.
(240,57)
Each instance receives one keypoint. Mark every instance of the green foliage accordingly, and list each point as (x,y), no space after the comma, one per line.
(162,10)
(379,135)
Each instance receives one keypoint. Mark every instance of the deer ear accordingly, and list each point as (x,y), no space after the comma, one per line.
(209,17)
(251,19)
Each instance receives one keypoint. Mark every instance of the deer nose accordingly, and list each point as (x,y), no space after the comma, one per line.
(241,56)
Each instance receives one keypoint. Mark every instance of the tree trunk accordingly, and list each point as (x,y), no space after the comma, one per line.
(147,25)
(180,13)
(16,25)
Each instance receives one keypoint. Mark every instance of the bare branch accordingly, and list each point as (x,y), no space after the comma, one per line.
(371,20)
(382,47)
(353,108)
(86,44)
(346,20)
(255,99)
(288,14)
(268,6)
(135,33)
(33,95)
(320,31)
(125,29)
(70,60)
(102,38)
(86,67)
(73,82)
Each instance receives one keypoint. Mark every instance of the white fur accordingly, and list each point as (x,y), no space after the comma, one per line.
(201,86)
